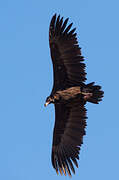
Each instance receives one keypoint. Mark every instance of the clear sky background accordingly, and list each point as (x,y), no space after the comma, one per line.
(26,79)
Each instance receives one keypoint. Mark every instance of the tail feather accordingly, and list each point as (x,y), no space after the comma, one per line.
(96,91)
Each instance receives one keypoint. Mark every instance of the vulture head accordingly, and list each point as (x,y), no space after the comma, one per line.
(49,99)
(52,99)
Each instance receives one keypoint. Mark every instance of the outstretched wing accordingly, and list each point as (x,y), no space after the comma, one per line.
(66,55)
(70,123)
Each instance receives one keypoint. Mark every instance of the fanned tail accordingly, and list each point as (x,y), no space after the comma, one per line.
(96,91)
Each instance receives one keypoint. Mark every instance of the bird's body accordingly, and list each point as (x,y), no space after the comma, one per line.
(69,95)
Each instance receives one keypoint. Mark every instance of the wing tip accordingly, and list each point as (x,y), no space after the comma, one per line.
(54,16)
(53,19)
(64,165)
(59,21)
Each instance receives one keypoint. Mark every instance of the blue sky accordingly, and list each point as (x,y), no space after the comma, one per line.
(26,79)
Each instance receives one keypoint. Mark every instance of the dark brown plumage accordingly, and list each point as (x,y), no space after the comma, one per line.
(69,95)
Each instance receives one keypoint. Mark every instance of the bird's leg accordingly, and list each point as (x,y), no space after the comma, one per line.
(86,95)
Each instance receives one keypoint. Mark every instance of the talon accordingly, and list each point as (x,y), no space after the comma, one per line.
(87,95)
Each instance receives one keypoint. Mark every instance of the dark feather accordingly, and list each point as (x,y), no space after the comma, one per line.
(65,52)
(66,138)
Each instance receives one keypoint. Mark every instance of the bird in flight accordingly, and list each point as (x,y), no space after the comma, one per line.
(69,95)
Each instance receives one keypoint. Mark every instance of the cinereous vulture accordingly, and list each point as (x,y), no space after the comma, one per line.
(69,95)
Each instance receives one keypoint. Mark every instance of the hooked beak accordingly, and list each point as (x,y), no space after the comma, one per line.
(46,104)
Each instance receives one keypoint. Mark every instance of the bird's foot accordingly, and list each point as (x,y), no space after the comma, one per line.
(87,95)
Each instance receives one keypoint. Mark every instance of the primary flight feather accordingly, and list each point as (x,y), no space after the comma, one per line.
(69,95)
